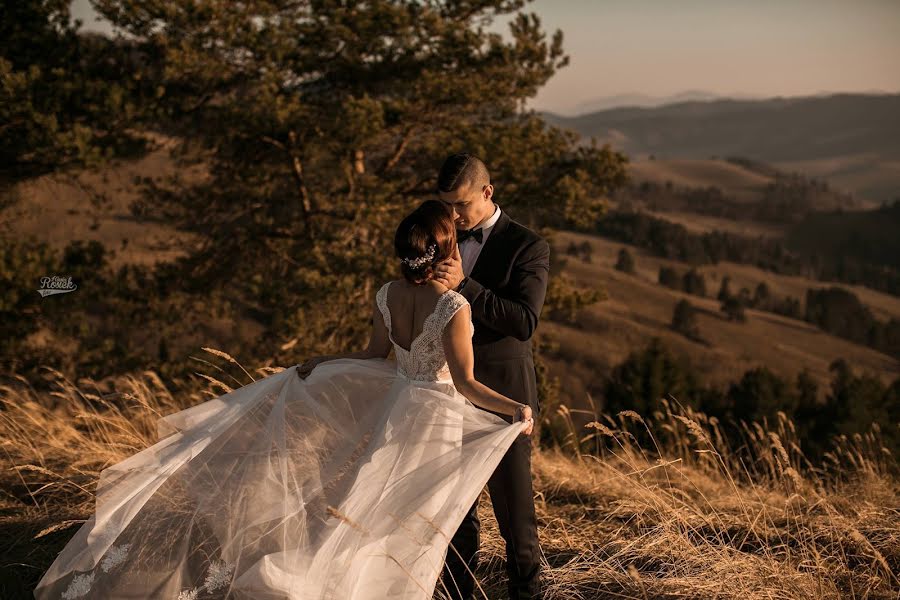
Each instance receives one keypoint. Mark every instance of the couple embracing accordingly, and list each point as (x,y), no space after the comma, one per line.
(349,476)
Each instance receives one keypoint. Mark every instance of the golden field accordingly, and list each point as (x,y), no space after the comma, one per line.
(682,516)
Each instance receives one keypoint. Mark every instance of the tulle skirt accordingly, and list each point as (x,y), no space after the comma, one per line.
(346,485)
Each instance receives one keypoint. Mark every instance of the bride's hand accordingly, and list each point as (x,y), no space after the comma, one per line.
(306,367)
(523,413)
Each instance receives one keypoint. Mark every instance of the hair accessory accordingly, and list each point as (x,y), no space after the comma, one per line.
(416,263)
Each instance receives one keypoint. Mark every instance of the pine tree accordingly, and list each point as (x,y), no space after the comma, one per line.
(724,289)
(734,309)
(586,251)
(66,99)
(670,278)
(761,295)
(648,375)
(684,320)
(693,282)
(625,262)
(760,394)
(327,121)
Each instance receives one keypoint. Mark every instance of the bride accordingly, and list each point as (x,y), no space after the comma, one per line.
(341,478)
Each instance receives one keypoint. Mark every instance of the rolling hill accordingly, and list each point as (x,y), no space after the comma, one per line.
(853,140)
(639,309)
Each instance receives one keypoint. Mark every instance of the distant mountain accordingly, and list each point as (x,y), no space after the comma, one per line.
(852,140)
(646,101)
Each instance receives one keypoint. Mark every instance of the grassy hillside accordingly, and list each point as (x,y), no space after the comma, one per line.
(741,180)
(867,174)
(736,180)
(103,205)
(681,516)
(713,209)
(639,309)
(715,194)
(705,224)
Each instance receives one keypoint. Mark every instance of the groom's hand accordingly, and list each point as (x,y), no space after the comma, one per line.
(450,272)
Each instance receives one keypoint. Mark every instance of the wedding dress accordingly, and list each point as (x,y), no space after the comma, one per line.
(347,485)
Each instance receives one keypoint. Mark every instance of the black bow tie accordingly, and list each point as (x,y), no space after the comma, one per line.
(464,234)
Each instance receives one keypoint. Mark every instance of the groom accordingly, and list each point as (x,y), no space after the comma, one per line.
(503,274)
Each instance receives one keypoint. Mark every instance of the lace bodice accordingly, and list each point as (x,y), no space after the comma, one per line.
(425,360)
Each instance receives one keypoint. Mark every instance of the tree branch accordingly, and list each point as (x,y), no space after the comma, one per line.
(399,150)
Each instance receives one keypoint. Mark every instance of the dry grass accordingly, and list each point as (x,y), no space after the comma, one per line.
(684,516)
(631,506)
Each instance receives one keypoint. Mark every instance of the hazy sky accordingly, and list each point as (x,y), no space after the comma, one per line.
(727,47)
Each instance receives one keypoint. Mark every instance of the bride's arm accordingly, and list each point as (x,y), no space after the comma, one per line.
(457,341)
(379,346)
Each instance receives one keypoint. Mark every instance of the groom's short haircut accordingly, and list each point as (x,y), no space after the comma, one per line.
(461,170)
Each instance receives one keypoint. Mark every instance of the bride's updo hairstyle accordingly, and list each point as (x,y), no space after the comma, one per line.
(424,238)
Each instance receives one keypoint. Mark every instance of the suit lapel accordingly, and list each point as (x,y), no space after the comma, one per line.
(483,263)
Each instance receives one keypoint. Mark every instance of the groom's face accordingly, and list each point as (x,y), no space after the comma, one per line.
(471,204)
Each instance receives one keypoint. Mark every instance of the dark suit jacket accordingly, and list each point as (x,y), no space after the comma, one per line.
(506,289)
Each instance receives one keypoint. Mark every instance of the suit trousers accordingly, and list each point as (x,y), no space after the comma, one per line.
(512,497)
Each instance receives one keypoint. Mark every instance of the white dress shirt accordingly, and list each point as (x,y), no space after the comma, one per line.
(471,248)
